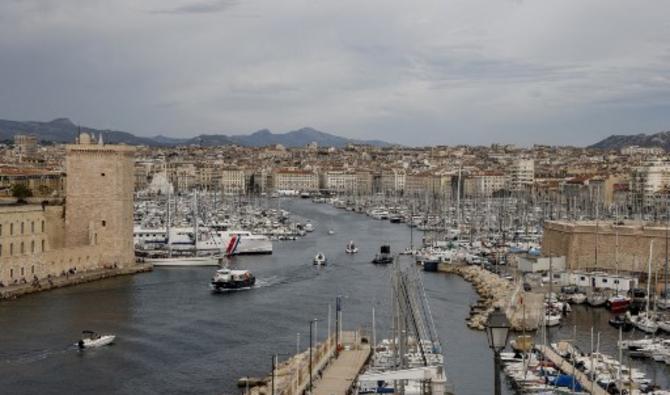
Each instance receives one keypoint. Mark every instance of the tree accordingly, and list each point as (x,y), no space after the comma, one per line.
(21,192)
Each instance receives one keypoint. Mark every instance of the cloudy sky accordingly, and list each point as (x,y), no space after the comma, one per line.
(412,72)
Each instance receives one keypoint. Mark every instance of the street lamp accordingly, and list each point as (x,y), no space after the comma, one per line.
(497,331)
(311,325)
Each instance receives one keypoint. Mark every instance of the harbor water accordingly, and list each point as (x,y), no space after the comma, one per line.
(175,336)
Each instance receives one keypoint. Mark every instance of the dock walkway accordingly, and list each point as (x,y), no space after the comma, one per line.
(568,368)
(342,373)
(331,374)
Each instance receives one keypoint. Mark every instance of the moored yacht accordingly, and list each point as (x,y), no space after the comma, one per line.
(351,248)
(185,261)
(241,242)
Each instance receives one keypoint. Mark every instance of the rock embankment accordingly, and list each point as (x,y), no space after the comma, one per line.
(494,291)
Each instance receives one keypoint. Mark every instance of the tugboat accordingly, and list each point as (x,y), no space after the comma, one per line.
(91,339)
(232,279)
(320,259)
(384,256)
(351,248)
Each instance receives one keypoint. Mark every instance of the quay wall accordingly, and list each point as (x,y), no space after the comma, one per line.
(66,280)
(625,246)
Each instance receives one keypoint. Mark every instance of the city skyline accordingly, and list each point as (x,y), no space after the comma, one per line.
(515,72)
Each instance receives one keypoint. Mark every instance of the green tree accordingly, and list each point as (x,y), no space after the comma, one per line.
(21,192)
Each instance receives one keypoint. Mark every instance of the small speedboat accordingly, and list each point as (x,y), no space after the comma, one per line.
(309,227)
(351,248)
(91,339)
(320,259)
(331,231)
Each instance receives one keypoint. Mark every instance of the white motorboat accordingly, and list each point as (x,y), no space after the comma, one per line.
(645,324)
(351,248)
(186,261)
(91,339)
(578,298)
(232,279)
(331,231)
(596,299)
(309,227)
(552,319)
(320,259)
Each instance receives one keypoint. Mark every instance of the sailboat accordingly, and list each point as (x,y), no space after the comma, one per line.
(645,321)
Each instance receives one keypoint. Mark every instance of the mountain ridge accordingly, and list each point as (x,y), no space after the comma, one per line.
(619,141)
(63,130)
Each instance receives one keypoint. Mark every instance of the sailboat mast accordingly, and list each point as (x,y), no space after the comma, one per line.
(665,268)
(651,248)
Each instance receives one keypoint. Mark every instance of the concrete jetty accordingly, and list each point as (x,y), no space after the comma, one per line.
(567,368)
(524,309)
(332,372)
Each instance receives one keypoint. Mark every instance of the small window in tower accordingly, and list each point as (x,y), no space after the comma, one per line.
(0,249)
(42,245)
(22,249)
(22,272)
(11,229)
(21,227)
(11,273)
(0,230)
(32,227)
(42,225)
(32,246)
(104,223)
(102,174)
(32,269)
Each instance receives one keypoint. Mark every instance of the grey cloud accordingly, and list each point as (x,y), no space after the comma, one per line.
(199,7)
(433,71)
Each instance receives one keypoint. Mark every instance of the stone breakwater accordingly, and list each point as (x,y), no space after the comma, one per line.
(494,291)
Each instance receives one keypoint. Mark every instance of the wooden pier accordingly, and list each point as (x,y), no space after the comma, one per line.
(332,373)
(567,368)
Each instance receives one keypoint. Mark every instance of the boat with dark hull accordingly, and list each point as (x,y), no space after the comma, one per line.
(384,257)
(226,279)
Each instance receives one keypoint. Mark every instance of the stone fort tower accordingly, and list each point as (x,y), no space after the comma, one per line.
(99,199)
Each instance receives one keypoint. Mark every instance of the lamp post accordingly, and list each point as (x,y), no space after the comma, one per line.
(497,331)
(311,325)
